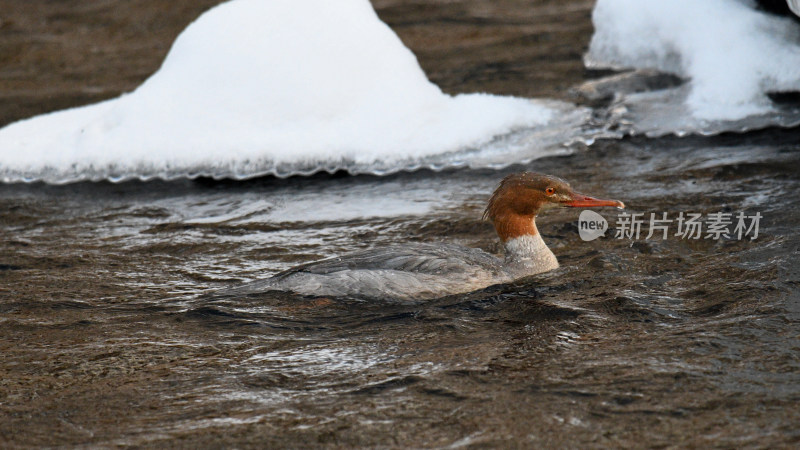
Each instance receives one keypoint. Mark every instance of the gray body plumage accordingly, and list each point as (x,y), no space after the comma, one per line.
(409,272)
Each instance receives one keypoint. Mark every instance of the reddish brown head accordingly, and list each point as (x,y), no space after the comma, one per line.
(520,196)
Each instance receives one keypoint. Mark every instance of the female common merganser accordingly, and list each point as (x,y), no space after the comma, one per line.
(426,271)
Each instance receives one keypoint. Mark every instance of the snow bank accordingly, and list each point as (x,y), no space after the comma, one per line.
(733,54)
(279,87)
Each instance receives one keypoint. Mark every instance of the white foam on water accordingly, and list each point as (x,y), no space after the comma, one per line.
(731,54)
(281,87)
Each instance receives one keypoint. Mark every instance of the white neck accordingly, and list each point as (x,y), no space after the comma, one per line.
(529,255)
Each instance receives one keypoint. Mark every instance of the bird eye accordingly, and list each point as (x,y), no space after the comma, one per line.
(550,191)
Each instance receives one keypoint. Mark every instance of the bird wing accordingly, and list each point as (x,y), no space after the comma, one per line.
(434,259)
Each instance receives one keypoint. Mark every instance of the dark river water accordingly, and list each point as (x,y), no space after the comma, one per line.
(112,334)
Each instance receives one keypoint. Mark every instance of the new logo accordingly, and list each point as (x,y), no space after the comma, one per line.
(591,225)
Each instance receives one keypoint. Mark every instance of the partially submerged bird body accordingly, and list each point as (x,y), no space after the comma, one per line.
(426,271)
(414,271)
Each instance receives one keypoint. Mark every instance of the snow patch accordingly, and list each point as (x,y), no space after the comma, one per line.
(281,87)
(731,53)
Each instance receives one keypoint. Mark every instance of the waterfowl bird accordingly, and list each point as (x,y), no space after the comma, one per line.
(419,271)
